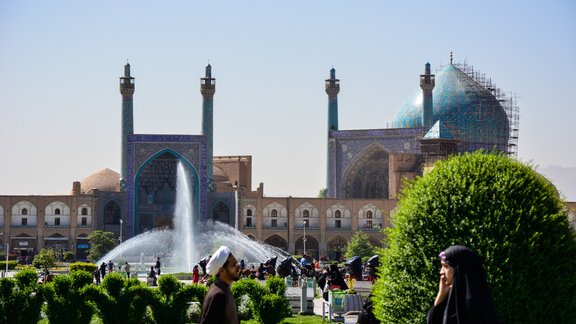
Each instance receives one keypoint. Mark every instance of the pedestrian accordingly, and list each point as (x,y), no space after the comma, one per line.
(242,265)
(203,264)
(336,280)
(219,305)
(127,269)
(463,293)
(103,270)
(151,278)
(96,274)
(195,274)
(158,264)
(110,266)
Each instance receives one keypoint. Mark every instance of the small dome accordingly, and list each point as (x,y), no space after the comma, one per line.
(469,111)
(103,180)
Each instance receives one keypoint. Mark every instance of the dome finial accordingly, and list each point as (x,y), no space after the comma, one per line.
(450,57)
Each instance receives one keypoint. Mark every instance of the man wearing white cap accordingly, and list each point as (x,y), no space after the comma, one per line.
(219,305)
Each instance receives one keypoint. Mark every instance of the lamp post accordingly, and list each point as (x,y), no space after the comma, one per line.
(304,238)
(120,238)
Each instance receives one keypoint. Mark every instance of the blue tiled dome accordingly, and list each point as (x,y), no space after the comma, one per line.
(468,110)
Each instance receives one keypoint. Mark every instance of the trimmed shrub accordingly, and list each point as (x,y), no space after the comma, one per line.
(508,214)
(11,265)
(86,266)
(169,302)
(269,310)
(64,299)
(250,287)
(255,292)
(26,278)
(276,285)
(119,300)
(21,300)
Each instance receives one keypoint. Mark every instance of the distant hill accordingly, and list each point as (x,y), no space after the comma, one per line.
(564,178)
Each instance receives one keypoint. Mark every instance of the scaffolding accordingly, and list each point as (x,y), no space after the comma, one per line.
(508,101)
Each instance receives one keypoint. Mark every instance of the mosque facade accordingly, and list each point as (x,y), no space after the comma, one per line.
(457,110)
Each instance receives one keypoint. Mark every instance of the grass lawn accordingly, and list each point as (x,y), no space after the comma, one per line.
(296,319)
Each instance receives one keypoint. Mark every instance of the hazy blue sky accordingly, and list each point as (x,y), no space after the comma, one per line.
(60,62)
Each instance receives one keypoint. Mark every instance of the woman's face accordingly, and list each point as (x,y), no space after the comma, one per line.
(447,273)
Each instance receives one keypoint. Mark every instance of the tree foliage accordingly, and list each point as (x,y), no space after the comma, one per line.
(45,259)
(100,243)
(359,245)
(323,193)
(500,208)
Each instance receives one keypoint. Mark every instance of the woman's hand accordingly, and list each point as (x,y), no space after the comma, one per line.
(443,290)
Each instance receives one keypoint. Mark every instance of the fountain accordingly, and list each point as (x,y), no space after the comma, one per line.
(181,248)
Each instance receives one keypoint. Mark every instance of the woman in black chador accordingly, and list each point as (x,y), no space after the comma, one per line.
(463,294)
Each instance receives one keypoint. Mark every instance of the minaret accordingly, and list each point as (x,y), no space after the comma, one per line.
(427,84)
(207,89)
(332,89)
(127,91)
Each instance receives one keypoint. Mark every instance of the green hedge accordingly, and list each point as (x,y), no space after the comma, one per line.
(11,265)
(500,208)
(74,298)
(85,266)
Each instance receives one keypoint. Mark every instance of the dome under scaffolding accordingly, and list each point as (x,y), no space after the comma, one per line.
(476,112)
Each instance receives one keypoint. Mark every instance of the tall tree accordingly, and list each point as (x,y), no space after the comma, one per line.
(45,259)
(359,245)
(100,243)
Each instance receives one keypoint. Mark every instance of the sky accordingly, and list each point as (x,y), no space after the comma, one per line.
(60,63)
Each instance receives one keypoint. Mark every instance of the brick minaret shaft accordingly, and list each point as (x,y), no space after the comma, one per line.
(127,91)
(427,84)
(207,89)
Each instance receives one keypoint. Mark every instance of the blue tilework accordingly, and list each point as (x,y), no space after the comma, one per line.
(469,112)
(439,131)
(345,146)
(142,147)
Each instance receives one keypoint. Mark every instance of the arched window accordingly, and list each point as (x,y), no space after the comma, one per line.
(57,211)
(248,212)
(306,213)
(274,213)
(369,214)
(112,213)
(338,214)
(84,211)
(24,211)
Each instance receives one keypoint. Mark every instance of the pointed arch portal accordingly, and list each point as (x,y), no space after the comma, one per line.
(155,190)
(367,176)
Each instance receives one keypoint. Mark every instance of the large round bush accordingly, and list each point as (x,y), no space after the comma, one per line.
(500,208)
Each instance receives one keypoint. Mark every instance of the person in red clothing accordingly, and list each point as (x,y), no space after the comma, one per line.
(195,275)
